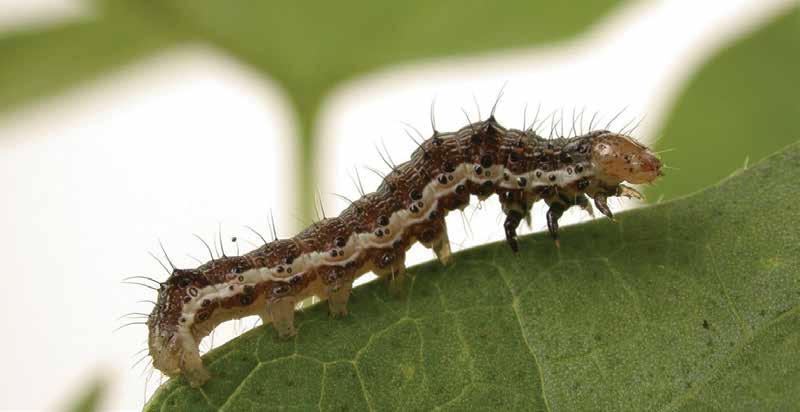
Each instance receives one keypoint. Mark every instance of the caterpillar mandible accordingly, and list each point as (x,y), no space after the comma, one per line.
(375,231)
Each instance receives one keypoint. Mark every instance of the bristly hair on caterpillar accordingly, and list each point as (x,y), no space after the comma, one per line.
(373,234)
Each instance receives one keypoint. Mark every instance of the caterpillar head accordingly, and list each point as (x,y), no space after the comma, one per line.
(170,344)
(622,158)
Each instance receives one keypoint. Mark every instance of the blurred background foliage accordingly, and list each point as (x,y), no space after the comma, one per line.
(308,47)
(741,105)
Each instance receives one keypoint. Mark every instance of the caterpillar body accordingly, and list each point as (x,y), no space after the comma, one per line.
(375,231)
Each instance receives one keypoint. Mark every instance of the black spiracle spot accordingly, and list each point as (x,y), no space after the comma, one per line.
(334,275)
(579,168)
(522,182)
(386,259)
(383,221)
(448,167)
(442,179)
(460,189)
(416,195)
(340,242)
(478,170)
(280,290)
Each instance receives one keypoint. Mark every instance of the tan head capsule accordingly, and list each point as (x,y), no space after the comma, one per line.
(621,158)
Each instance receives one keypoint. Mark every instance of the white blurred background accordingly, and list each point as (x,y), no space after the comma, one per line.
(191,141)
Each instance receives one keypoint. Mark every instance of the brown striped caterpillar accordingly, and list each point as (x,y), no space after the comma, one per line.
(375,231)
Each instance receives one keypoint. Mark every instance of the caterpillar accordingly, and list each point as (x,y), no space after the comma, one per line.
(373,234)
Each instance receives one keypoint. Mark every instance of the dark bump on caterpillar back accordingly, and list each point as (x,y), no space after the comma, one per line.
(487,161)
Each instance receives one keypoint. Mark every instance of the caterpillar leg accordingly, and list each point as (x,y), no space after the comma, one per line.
(337,300)
(553,214)
(397,281)
(441,246)
(434,236)
(602,205)
(193,370)
(583,203)
(513,218)
(392,267)
(281,314)
(516,207)
(629,192)
(337,288)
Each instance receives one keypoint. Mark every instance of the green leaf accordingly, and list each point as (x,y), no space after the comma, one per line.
(741,106)
(690,304)
(37,63)
(91,397)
